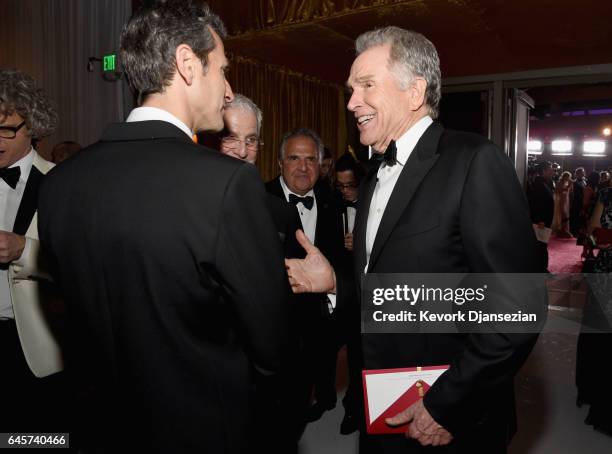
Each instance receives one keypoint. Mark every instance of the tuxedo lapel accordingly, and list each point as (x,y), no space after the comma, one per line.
(361,220)
(420,162)
(29,202)
(274,187)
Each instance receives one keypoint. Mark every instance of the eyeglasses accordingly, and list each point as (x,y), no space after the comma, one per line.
(233,142)
(10,132)
(340,186)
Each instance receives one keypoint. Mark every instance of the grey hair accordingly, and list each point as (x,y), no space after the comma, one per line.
(19,94)
(411,55)
(302,132)
(246,104)
(150,38)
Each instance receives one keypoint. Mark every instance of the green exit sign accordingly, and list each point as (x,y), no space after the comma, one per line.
(108,62)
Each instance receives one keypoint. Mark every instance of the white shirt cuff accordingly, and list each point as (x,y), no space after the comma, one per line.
(331,302)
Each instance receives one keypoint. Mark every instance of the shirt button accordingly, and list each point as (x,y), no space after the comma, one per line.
(378,210)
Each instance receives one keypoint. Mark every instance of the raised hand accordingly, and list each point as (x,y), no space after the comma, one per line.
(313,274)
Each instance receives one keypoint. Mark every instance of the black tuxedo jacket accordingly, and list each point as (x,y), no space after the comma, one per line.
(542,202)
(287,222)
(329,238)
(174,281)
(457,207)
(329,233)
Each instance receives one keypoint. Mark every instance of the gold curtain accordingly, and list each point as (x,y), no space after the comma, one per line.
(260,14)
(289,100)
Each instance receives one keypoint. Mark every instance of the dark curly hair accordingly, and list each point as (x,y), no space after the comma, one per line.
(150,38)
(19,94)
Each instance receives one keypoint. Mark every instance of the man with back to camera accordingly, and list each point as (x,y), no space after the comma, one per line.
(170,297)
(438,202)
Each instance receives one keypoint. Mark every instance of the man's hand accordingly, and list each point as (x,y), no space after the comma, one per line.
(11,246)
(313,274)
(422,427)
(348,241)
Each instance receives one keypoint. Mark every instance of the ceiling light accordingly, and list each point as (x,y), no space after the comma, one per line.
(594,147)
(561,147)
(534,147)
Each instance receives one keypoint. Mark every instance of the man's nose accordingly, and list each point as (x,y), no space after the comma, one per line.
(242,150)
(354,102)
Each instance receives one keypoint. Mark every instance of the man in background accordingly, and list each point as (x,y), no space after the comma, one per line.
(241,139)
(349,174)
(301,154)
(542,204)
(28,344)
(577,200)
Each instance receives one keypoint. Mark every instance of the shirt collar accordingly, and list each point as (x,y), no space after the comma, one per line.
(406,143)
(154,113)
(287,191)
(25,165)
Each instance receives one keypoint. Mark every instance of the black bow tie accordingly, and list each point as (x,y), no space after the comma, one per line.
(11,176)
(307,201)
(351,204)
(389,157)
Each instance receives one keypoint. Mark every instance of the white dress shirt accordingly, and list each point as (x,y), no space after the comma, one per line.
(386,179)
(308,217)
(350,215)
(10,199)
(153,113)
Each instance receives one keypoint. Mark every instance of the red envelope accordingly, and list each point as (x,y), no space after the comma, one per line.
(387,392)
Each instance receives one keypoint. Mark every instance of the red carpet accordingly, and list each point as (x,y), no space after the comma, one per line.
(564,256)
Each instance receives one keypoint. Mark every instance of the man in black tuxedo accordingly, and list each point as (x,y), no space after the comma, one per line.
(301,154)
(168,259)
(441,202)
(349,174)
(577,201)
(542,204)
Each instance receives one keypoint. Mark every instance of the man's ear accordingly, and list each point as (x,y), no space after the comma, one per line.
(186,63)
(416,93)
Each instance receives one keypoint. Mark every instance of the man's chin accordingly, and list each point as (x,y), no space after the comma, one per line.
(211,126)
(367,140)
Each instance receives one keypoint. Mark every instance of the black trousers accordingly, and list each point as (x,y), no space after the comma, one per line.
(29,404)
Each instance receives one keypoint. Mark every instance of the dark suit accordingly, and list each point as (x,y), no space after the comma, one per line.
(457,207)
(542,201)
(576,206)
(174,281)
(319,329)
(287,222)
(542,209)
